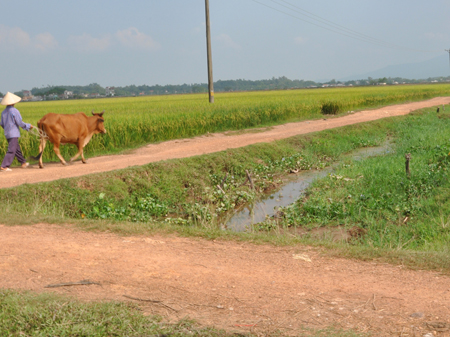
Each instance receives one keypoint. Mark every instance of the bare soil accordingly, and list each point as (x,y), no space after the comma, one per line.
(236,286)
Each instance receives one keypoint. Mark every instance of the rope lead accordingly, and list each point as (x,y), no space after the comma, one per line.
(38,133)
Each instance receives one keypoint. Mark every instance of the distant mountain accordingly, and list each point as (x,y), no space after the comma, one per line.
(436,67)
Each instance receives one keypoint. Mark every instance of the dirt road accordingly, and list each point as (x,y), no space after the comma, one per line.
(228,285)
(235,286)
(183,148)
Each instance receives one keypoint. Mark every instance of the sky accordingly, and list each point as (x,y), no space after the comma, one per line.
(119,43)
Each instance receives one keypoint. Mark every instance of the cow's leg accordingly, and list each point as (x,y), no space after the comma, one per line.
(58,153)
(41,151)
(80,152)
(82,157)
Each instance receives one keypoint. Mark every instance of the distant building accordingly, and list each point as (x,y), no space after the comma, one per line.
(110,91)
(51,97)
(68,94)
(27,95)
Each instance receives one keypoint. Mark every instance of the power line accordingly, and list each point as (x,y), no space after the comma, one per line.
(334,27)
(330,23)
(331,29)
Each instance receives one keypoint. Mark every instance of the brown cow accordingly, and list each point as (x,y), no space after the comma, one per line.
(69,129)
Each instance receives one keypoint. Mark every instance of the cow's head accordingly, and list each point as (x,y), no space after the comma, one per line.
(100,128)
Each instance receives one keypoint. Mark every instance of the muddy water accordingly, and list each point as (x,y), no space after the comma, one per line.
(289,193)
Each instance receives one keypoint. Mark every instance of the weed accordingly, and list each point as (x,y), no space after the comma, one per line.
(330,108)
(140,210)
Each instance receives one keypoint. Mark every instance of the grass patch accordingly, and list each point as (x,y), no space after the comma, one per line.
(28,314)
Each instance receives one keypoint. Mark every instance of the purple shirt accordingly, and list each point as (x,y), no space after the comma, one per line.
(11,121)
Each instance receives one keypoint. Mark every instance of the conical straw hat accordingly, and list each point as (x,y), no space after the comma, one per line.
(10,99)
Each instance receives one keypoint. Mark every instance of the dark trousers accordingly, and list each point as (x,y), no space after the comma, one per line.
(13,151)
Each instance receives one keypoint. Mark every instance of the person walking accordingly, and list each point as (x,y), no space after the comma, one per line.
(10,121)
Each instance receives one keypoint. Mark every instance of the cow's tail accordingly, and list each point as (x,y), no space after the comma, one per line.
(37,157)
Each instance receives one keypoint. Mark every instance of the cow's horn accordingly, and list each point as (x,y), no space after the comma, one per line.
(92,112)
(101,113)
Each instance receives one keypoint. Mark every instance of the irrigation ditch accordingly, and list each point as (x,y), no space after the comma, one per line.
(294,186)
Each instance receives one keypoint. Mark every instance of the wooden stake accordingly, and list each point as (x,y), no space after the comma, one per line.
(250,179)
(224,179)
(408,158)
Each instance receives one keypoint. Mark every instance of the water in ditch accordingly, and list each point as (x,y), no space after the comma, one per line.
(258,211)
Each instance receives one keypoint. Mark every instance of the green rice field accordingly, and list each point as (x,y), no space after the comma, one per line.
(135,121)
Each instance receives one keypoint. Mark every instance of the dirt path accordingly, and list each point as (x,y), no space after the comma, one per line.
(183,148)
(228,285)
(235,286)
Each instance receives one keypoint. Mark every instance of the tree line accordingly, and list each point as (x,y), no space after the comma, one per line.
(279,83)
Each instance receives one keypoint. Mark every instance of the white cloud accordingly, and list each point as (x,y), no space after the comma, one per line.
(129,38)
(227,42)
(45,41)
(435,37)
(133,38)
(13,38)
(200,29)
(86,43)
(299,40)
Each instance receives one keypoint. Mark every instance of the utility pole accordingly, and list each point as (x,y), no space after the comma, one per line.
(448,51)
(208,47)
